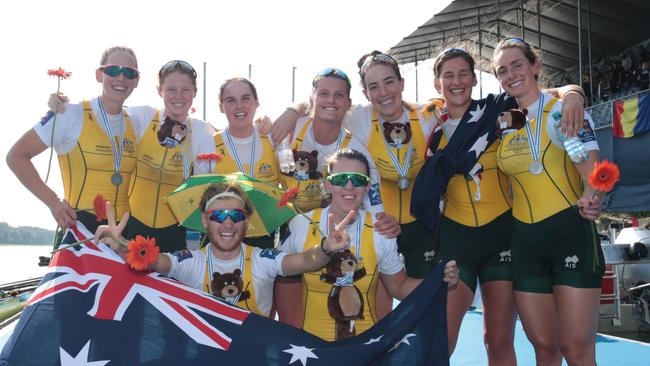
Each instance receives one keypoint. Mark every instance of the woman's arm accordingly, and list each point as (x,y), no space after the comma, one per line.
(19,160)
(286,123)
(399,285)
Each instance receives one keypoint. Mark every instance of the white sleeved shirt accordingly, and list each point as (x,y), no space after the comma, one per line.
(388,259)
(189,266)
(202,133)
(359,121)
(587,134)
(68,125)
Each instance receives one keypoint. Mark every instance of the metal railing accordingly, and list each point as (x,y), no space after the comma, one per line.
(603,113)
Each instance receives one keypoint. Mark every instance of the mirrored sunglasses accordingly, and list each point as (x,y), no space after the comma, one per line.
(332,72)
(177,65)
(511,42)
(381,57)
(221,215)
(341,179)
(115,71)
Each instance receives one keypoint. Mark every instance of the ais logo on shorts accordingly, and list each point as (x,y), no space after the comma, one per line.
(570,262)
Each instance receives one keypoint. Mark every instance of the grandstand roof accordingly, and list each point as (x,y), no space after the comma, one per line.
(614,25)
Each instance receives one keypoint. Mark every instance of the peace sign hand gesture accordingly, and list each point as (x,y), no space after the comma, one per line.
(338,238)
(111,234)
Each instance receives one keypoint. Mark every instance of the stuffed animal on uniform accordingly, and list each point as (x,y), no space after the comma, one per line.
(171,133)
(345,301)
(306,165)
(511,120)
(229,285)
(397,133)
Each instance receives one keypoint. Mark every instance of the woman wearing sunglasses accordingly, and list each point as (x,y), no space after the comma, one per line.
(243,148)
(95,144)
(167,143)
(226,211)
(476,221)
(557,261)
(348,183)
(398,156)
(318,136)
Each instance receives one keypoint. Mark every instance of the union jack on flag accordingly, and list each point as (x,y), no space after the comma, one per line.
(91,308)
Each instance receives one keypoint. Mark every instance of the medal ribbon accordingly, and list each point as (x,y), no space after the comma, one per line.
(232,301)
(534,141)
(117,150)
(357,242)
(235,155)
(402,170)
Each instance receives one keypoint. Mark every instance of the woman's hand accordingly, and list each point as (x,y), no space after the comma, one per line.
(57,102)
(387,225)
(573,114)
(338,238)
(263,125)
(451,273)
(111,234)
(590,205)
(63,213)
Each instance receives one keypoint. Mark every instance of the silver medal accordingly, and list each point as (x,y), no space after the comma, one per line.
(117,178)
(536,167)
(403,183)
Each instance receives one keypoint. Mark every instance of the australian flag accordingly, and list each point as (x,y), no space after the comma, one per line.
(475,132)
(91,308)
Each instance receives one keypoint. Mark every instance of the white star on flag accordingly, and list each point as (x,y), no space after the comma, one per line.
(476,114)
(300,353)
(480,145)
(405,339)
(374,340)
(81,359)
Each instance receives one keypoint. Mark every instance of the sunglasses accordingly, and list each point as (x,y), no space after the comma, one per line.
(115,71)
(341,179)
(452,50)
(220,215)
(331,72)
(512,42)
(177,65)
(380,57)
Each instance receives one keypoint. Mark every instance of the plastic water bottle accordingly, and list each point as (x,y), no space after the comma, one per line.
(285,157)
(572,145)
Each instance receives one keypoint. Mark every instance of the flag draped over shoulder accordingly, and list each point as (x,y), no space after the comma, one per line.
(475,132)
(631,116)
(92,309)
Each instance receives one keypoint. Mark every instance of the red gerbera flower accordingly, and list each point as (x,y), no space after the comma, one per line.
(210,157)
(59,73)
(99,203)
(192,110)
(143,252)
(604,176)
(290,195)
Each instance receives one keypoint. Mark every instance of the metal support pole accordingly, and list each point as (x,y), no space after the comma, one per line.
(523,29)
(416,77)
(591,68)
(250,71)
(293,84)
(205,77)
(539,25)
(580,42)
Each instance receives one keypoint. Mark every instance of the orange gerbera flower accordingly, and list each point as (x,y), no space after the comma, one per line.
(143,252)
(604,176)
(429,109)
(99,203)
(290,195)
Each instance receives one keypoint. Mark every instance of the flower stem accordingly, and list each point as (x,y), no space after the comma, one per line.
(49,164)
(71,245)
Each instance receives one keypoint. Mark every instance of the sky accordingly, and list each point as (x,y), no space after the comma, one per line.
(269,38)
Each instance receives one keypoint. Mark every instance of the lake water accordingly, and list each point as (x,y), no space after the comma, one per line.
(18,262)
